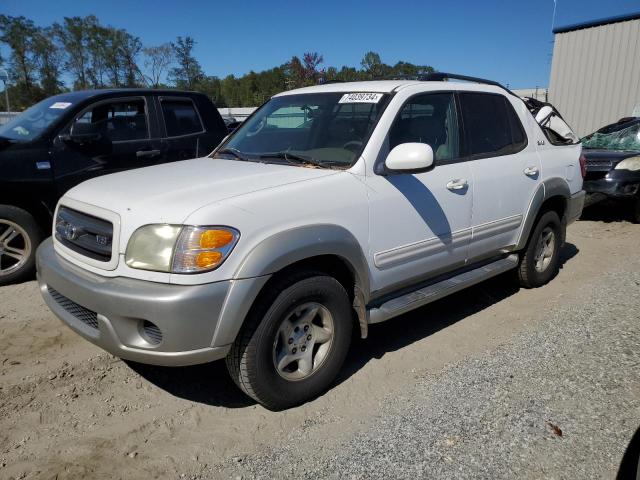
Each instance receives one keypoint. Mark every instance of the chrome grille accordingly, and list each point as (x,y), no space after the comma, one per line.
(85,315)
(599,164)
(85,234)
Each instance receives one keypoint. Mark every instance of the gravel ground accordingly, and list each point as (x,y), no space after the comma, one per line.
(493,382)
(558,401)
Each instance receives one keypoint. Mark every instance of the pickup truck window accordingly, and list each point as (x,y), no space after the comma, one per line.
(431,119)
(327,128)
(492,126)
(121,120)
(180,117)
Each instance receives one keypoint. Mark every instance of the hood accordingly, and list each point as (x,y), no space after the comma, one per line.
(168,193)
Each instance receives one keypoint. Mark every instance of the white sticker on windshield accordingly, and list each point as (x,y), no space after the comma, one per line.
(363,97)
(60,105)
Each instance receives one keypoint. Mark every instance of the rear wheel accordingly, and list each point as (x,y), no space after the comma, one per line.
(294,342)
(19,238)
(539,262)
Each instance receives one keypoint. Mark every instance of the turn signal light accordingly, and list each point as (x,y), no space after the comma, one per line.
(215,238)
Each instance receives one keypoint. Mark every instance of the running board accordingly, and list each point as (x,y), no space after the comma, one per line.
(418,298)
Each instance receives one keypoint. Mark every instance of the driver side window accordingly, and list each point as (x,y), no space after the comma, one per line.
(117,121)
(432,119)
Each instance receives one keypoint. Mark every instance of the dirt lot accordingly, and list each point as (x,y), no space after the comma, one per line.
(491,382)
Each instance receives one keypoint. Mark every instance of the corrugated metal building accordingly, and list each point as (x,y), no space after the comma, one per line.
(595,73)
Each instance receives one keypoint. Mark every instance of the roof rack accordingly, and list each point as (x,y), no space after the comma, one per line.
(441,76)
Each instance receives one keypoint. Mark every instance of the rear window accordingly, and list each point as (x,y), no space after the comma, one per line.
(180,117)
(491,124)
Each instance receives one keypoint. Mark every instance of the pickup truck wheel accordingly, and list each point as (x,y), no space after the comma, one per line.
(19,238)
(539,262)
(294,341)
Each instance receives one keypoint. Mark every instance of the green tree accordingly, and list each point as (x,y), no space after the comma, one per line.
(48,60)
(188,72)
(157,61)
(73,37)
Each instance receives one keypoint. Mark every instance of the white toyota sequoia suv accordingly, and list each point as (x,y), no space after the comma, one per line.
(331,208)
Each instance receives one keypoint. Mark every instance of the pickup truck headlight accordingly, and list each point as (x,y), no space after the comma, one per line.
(180,249)
(632,164)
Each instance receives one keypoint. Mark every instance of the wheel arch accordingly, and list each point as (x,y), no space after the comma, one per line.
(552,194)
(330,249)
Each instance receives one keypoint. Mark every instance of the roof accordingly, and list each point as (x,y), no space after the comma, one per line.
(388,86)
(83,94)
(597,23)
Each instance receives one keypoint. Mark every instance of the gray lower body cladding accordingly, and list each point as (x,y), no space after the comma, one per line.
(137,320)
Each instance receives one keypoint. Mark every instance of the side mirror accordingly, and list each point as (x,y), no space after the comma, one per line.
(410,158)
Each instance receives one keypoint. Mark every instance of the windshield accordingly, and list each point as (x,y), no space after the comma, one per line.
(322,130)
(619,136)
(35,120)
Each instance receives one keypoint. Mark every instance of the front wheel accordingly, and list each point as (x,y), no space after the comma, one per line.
(540,260)
(294,342)
(19,238)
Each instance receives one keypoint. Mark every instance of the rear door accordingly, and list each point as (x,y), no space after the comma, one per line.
(126,139)
(183,128)
(505,168)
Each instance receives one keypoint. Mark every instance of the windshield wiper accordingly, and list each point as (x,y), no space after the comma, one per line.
(233,151)
(294,158)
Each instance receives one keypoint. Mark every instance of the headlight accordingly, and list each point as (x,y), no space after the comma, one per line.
(180,249)
(632,164)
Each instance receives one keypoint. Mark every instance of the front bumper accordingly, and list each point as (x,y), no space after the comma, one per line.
(111,312)
(612,186)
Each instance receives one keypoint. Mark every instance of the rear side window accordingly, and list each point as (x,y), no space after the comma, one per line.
(180,117)
(491,125)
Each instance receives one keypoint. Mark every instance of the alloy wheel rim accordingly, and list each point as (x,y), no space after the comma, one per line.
(15,247)
(303,341)
(545,249)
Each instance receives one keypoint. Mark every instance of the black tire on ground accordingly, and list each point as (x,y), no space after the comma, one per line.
(528,275)
(26,226)
(251,359)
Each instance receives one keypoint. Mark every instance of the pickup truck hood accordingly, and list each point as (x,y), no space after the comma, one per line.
(168,193)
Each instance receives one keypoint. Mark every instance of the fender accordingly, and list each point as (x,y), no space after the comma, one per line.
(281,250)
(551,187)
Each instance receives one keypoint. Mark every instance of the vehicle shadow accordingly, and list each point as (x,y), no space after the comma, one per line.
(210,383)
(411,327)
(608,211)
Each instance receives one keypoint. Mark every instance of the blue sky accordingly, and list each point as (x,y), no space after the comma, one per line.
(509,41)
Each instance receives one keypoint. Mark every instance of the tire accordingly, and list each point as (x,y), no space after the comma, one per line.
(532,272)
(20,235)
(266,340)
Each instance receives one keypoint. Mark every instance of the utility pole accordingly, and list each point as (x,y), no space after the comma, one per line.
(4,77)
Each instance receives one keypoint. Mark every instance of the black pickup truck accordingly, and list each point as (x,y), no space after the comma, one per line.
(69,138)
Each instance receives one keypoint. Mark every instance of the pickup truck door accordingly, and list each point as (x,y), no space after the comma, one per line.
(420,223)
(183,129)
(106,137)
(505,168)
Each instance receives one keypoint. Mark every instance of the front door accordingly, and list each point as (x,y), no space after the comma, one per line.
(420,223)
(107,137)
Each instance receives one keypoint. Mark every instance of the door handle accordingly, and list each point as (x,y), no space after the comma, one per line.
(457,184)
(531,171)
(147,153)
